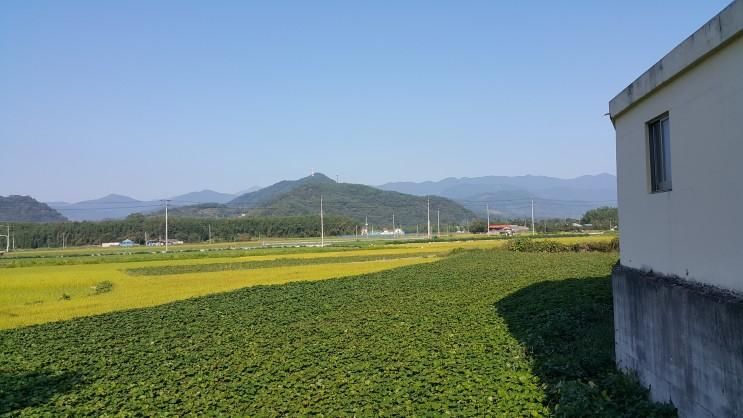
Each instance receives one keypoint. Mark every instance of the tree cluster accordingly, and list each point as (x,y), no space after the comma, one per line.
(134,227)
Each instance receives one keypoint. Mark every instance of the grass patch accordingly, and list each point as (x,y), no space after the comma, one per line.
(480,333)
(103,287)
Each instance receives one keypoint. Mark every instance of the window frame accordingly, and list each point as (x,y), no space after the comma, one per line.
(662,146)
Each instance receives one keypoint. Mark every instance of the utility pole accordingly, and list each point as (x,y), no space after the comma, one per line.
(429,219)
(487,228)
(438,222)
(533,231)
(7,238)
(322,226)
(394,234)
(166,224)
(210,233)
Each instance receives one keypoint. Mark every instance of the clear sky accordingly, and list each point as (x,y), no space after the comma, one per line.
(157,98)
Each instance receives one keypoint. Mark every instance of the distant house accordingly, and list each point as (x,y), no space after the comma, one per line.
(506,229)
(500,229)
(678,309)
(161,242)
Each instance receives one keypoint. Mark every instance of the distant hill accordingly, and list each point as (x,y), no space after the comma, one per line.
(116,206)
(112,206)
(16,208)
(248,190)
(355,201)
(204,196)
(512,196)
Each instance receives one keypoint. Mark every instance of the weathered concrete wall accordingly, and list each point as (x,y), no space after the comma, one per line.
(682,339)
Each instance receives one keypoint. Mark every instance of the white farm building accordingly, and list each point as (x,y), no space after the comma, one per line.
(677,290)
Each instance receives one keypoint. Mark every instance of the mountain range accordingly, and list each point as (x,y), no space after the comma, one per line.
(356,201)
(505,197)
(115,206)
(510,197)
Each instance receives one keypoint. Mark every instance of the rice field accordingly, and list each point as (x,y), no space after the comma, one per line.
(36,291)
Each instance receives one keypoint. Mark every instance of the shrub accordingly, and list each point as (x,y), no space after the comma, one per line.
(530,245)
(103,287)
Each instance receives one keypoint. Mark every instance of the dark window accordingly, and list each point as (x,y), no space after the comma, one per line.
(659,147)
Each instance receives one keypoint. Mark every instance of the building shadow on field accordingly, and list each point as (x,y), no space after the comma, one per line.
(567,328)
(25,389)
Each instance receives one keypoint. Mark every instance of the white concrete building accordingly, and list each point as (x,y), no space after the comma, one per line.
(679,142)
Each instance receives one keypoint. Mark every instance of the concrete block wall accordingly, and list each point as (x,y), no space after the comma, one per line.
(683,340)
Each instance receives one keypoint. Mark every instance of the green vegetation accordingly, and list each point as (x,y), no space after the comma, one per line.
(478,226)
(103,287)
(16,208)
(249,265)
(601,218)
(484,333)
(134,227)
(537,245)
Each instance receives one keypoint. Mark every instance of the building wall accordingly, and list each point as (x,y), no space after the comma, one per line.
(682,341)
(694,231)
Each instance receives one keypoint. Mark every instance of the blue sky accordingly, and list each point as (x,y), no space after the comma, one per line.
(156,98)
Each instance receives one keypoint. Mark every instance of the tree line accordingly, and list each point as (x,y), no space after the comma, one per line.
(134,227)
(599,218)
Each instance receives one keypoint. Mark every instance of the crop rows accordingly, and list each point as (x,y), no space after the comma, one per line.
(483,333)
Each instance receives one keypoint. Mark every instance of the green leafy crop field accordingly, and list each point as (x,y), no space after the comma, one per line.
(479,333)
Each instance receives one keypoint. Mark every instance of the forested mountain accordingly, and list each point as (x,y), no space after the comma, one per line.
(511,196)
(355,201)
(16,208)
(266,194)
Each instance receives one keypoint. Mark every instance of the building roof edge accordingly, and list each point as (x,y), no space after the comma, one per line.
(715,34)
